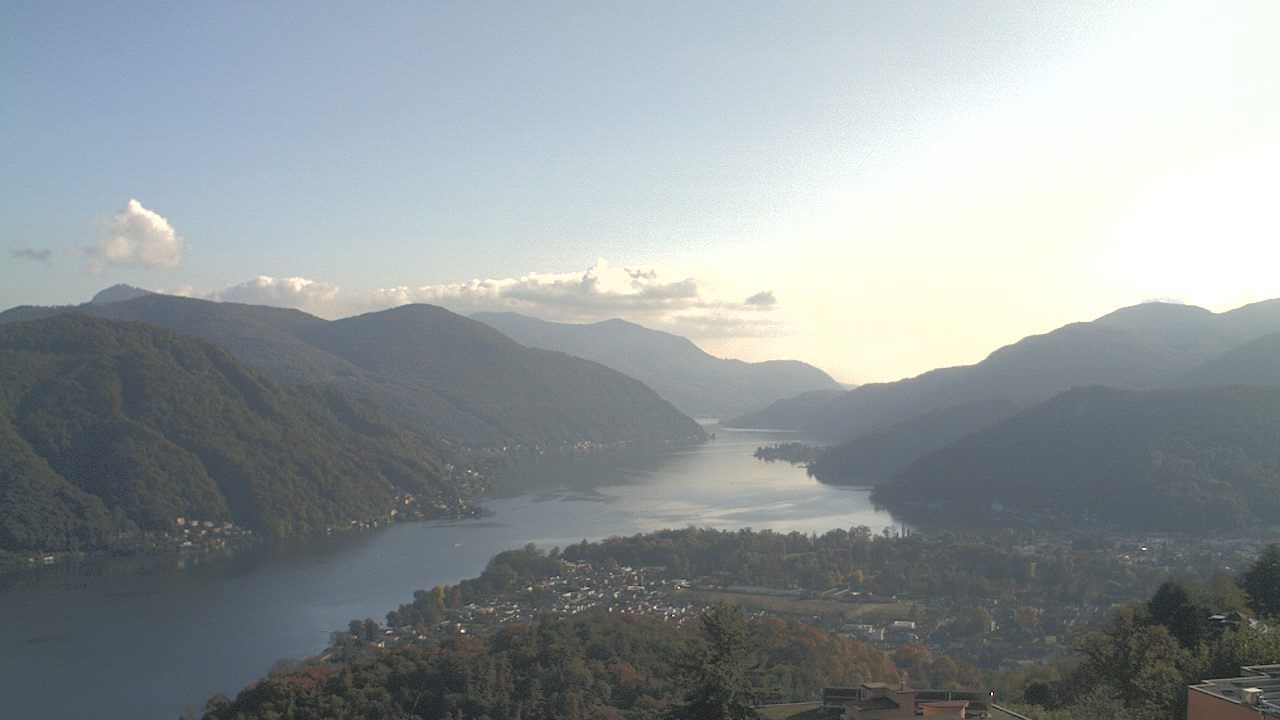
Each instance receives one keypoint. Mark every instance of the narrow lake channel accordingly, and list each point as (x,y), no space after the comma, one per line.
(142,639)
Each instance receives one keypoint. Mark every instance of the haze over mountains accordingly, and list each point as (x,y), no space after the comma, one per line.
(1200,459)
(1143,346)
(699,384)
(1165,402)
(1156,416)
(108,428)
(441,372)
(887,425)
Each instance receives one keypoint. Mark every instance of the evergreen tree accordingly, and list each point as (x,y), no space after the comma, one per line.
(1262,582)
(718,674)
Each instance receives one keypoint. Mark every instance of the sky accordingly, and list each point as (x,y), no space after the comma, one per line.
(878,188)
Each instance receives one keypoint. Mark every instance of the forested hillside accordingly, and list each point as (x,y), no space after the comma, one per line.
(443,373)
(109,429)
(465,380)
(1195,459)
(874,457)
(596,667)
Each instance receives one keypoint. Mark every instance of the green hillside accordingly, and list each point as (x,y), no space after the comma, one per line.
(462,378)
(441,372)
(111,427)
(1196,459)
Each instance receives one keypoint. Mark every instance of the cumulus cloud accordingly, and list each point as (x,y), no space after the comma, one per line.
(21,250)
(136,237)
(313,296)
(656,296)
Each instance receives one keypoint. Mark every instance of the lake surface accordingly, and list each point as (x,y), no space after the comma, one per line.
(141,639)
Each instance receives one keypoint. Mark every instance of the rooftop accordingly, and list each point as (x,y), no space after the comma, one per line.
(1264,678)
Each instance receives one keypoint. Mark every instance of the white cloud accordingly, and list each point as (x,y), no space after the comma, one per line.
(294,292)
(136,237)
(660,297)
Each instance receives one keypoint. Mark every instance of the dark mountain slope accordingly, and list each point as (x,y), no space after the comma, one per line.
(454,376)
(1197,459)
(114,427)
(265,337)
(118,293)
(874,457)
(1254,363)
(1140,347)
(453,372)
(697,383)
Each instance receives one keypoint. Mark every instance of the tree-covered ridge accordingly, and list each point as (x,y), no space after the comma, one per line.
(110,429)
(440,372)
(957,566)
(1197,459)
(463,379)
(594,667)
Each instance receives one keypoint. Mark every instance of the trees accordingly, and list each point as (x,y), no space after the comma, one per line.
(1173,608)
(1262,581)
(718,673)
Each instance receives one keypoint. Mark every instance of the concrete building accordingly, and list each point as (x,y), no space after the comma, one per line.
(1252,696)
(886,701)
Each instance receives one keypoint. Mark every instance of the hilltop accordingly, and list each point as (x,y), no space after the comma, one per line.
(696,382)
(443,373)
(112,429)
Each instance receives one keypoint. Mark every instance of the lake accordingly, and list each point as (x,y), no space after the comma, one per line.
(143,638)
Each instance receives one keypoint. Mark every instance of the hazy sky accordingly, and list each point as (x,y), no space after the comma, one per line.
(876,187)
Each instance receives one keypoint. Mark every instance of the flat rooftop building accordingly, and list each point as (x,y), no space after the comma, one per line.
(1255,695)
(887,701)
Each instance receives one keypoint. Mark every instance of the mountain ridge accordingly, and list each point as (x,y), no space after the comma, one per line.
(1169,459)
(696,382)
(1139,347)
(564,400)
(115,428)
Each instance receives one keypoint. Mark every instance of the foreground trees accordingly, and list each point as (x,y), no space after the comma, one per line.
(1262,582)
(1140,665)
(719,675)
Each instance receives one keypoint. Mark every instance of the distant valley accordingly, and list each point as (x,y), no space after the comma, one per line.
(699,384)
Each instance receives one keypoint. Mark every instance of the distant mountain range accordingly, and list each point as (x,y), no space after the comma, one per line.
(699,384)
(1199,459)
(1144,346)
(109,428)
(1154,417)
(873,457)
(1154,345)
(443,373)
